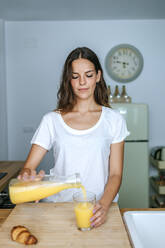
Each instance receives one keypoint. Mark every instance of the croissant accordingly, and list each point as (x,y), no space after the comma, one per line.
(22,235)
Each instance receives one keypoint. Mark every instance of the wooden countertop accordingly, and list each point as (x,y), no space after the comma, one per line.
(4,213)
(12,168)
(123,210)
(57,226)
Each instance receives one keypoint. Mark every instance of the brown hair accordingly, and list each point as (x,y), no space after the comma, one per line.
(66,97)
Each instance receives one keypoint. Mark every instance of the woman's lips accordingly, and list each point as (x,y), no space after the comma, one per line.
(83,89)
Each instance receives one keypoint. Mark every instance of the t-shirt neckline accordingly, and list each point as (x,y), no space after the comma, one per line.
(83,131)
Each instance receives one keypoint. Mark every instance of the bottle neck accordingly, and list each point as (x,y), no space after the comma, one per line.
(123,91)
(116,93)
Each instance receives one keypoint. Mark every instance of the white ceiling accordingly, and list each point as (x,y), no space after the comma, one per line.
(81,9)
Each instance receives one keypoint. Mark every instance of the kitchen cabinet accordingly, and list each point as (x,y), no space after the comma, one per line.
(157,198)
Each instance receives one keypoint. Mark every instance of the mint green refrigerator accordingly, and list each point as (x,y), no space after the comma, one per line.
(134,190)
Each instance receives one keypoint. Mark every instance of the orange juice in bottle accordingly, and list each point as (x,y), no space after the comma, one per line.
(26,191)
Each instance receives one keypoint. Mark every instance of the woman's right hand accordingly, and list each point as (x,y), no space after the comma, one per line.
(28,174)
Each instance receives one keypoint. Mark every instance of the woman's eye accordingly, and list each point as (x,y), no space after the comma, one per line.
(91,75)
(74,77)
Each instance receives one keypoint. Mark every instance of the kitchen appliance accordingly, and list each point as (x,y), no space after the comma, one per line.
(158,153)
(134,191)
(5,202)
(2,175)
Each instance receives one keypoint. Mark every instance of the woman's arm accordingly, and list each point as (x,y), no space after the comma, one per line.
(34,158)
(113,184)
(115,173)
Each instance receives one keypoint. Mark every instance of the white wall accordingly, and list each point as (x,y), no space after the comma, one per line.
(3,100)
(35,53)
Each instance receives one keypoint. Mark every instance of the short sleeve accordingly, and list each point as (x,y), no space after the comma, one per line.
(121,131)
(43,135)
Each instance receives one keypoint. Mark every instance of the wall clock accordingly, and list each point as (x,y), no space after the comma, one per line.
(124,63)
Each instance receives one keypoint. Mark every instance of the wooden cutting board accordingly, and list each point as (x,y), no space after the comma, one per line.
(54,226)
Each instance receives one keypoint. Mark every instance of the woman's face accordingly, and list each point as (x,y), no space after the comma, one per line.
(84,78)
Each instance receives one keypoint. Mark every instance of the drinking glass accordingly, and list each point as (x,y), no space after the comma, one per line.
(83,206)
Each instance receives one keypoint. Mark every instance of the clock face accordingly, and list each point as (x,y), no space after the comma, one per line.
(124,63)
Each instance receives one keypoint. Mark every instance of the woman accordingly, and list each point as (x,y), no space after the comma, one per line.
(87,136)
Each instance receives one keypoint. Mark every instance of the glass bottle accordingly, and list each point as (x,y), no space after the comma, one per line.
(116,95)
(124,96)
(110,96)
(26,191)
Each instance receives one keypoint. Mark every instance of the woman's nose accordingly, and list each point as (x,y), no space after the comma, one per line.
(82,81)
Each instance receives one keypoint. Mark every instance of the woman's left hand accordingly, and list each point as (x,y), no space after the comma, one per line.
(100,215)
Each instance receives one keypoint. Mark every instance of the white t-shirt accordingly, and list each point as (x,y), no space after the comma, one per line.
(81,151)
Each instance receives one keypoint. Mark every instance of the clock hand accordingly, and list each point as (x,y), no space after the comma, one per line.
(125,63)
(120,62)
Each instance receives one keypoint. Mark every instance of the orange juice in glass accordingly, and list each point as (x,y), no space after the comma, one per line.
(83,207)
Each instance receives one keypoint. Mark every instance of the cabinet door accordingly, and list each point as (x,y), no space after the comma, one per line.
(134,191)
